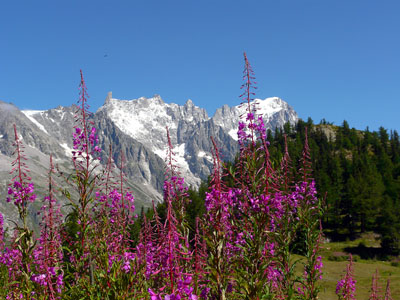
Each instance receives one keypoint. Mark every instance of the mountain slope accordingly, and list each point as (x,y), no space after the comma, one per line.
(190,128)
(137,129)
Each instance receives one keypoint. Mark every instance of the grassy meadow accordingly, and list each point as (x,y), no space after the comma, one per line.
(363,269)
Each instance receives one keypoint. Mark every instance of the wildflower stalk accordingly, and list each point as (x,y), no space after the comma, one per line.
(84,149)
(310,212)
(49,255)
(346,287)
(217,232)
(21,193)
(247,96)
(86,181)
(388,295)
(174,253)
(199,260)
(286,167)
(374,287)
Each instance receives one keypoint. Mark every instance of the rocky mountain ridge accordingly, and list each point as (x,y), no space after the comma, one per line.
(136,128)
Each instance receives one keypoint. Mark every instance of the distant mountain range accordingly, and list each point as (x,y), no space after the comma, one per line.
(138,129)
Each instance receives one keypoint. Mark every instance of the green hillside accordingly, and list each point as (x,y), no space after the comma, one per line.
(358,174)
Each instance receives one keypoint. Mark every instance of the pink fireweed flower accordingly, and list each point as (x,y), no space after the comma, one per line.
(242,135)
(60,283)
(119,204)
(128,257)
(274,276)
(21,191)
(260,128)
(1,234)
(247,96)
(48,255)
(154,296)
(20,194)
(269,249)
(375,287)
(318,266)
(12,259)
(218,205)
(84,135)
(250,116)
(346,287)
(182,291)
(40,279)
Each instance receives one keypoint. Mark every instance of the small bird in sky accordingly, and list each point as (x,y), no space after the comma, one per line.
(105,55)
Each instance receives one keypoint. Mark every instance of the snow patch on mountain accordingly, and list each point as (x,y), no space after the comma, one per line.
(205,155)
(178,155)
(30,113)
(274,111)
(180,152)
(146,119)
(143,119)
(268,106)
(233,134)
(68,150)
(179,160)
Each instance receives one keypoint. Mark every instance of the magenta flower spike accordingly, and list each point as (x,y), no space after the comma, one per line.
(85,139)
(199,257)
(1,234)
(388,295)
(346,287)
(375,287)
(85,149)
(174,184)
(247,97)
(173,253)
(19,257)
(20,191)
(49,255)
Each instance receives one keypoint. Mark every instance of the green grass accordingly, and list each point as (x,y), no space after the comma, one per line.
(364,269)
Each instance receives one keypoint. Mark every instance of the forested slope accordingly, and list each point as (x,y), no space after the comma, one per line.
(357,172)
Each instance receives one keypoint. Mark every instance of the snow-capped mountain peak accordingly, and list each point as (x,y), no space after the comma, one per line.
(145,119)
(274,111)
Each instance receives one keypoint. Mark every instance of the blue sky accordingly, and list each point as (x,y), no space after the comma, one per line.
(332,59)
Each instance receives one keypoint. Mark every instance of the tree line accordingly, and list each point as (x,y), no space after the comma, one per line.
(357,174)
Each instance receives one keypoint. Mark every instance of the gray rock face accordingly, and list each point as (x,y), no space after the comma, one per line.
(29,132)
(141,165)
(137,129)
(190,128)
